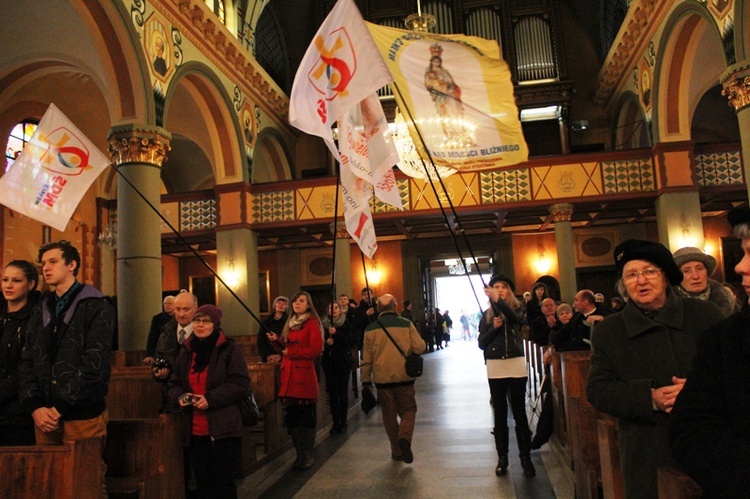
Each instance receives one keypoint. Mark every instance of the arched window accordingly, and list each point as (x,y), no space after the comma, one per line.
(19,137)
(219,8)
(269,48)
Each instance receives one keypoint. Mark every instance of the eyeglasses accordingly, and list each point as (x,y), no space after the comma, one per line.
(650,273)
(201,321)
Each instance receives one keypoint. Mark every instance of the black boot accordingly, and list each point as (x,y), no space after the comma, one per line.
(528,467)
(501,444)
(309,442)
(299,446)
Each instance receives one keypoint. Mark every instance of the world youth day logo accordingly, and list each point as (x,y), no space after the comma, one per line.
(65,153)
(334,69)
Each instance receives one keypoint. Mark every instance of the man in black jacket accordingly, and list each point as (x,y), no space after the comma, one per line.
(576,334)
(64,369)
(157,322)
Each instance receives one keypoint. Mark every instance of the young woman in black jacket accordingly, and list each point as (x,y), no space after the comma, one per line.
(337,363)
(19,296)
(500,338)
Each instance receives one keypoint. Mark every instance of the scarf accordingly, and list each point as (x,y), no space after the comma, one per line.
(703,295)
(203,348)
(296,321)
(337,321)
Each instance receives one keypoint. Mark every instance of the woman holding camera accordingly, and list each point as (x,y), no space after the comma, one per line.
(19,296)
(500,338)
(209,379)
(302,340)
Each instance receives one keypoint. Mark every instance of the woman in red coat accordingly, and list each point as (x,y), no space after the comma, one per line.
(302,340)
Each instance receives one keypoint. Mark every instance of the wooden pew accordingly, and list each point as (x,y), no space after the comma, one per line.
(674,484)
(145,457)
(130,358)
(581,421)
(133,393)
(560,434)
(249,345)
(609,457)
(68,471)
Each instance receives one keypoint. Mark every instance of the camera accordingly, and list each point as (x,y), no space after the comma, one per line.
(188,398)
(161,363)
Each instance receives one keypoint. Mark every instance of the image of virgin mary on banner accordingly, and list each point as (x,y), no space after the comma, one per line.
(456,90)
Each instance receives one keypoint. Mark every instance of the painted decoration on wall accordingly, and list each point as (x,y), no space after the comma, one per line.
(249,124)
(644,85)
(158,48)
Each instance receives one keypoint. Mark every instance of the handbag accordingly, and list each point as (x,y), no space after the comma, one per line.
(249,409)
(414,362)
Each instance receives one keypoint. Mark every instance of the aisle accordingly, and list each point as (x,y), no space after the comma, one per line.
(454,452)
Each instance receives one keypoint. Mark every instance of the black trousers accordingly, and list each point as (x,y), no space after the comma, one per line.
(337,384)
(215,464)
(514,389)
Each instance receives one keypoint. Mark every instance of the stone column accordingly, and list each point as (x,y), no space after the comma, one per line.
(679,220)
(736,83)
(237,264)
(566,263)
(343,264)
(138,152)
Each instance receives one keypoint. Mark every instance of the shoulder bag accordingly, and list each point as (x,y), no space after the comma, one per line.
(414,362)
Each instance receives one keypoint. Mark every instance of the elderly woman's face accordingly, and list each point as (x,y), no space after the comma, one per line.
(645,283)
(694,277)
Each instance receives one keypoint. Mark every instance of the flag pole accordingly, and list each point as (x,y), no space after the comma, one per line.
(450,203)
(335,231)
(193,250)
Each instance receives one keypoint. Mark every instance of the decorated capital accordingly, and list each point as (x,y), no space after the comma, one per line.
(562,212)
(736,83)
(138,144)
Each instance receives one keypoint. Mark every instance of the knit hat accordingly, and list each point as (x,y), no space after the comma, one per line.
(213,313)
(278,299)
(502,278)
(656,253)
(690,254)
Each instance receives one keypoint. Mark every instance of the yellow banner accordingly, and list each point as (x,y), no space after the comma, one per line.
(457,91)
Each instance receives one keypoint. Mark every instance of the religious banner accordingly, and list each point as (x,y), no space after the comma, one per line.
(341,67)
(356,194)
(367,148)
(53,172)
(457,90)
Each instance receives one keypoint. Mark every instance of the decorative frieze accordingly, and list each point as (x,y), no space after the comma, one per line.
(138,144)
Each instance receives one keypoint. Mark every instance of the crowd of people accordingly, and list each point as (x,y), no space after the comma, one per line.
(669,361)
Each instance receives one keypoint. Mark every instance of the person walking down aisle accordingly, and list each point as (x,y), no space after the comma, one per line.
(500,339)
(337,364)
(302,343)
(383,364)
(641,357)
(209,379)
(64,370)
(19,296)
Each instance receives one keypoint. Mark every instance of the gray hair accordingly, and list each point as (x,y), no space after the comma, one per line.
(742,231)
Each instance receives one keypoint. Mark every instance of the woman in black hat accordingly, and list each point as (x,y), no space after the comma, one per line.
(500,338)
(641,357)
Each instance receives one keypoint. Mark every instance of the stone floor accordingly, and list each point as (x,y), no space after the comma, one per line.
(454,453)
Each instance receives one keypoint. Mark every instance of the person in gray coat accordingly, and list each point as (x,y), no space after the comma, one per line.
(697,268)
(641,357)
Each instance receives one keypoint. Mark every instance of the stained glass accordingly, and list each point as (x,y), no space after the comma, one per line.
(18,138)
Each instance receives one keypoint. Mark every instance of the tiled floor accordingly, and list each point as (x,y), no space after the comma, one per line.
(454,453)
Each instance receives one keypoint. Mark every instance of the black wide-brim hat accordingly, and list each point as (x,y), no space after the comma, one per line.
(656,253)
(503,278)
(738,216)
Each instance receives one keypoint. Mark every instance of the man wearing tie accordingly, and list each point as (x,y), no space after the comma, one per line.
(173,335)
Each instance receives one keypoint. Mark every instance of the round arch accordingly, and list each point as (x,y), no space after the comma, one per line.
(270,158)
(632,129)
(690,35)
(198,112)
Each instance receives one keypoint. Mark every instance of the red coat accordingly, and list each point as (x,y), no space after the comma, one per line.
(298,378)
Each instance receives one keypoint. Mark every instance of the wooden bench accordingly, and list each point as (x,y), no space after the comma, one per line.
(609,457)
(560,432)
(145,457)
(674,484)
(68,471)
(249,345)
(133,393)
(129,358)
(581,420)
